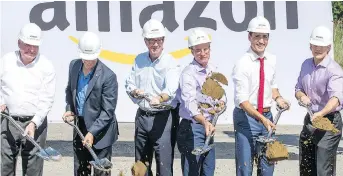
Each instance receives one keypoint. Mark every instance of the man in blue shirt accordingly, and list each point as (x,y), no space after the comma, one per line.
(91,95)
(154,72)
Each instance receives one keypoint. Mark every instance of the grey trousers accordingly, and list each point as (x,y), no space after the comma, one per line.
(318,149)
(12,142)
(156,132)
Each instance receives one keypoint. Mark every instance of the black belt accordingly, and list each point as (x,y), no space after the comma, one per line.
(22,118)
(150,113)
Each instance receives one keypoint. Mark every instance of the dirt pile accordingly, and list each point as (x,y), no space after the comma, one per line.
(138,169)
(276,151)
(324,123)
(212,88)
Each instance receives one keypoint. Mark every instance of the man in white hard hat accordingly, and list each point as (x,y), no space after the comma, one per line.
(155,73)
(91,98)
(320,86)
(255,88)
(27,90)
(195,126)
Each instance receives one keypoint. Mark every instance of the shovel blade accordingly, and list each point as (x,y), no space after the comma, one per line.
(103,164)
(53,154)
(42,154)
(263,139)
(202,150)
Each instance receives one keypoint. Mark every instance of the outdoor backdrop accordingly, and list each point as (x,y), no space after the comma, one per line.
(119,25)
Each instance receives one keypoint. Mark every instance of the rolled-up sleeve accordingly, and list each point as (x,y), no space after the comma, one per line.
(1,72)
(130,83)
(335,87)
(188,94)
(241,84)
(299,86)
(172,81)
(46,97)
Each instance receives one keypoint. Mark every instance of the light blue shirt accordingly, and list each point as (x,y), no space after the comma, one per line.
(82,85)
(160,76)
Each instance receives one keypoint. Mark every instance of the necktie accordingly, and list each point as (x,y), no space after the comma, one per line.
(261,87)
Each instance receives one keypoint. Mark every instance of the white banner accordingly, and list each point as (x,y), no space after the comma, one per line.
(119,25)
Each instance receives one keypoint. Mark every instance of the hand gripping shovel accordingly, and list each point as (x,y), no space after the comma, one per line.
(207,147)
(160,106)
(47,154)
(101,164)
(268,139)
(265,142)
(319,125)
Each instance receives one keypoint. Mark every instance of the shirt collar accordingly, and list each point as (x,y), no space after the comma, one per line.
(254,56)
(155,61)
(21,62)
(325,62)
(200,68)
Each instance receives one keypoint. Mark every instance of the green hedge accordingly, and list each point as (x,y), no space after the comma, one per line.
(337,12)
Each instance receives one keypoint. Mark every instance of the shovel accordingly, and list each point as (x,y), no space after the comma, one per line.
(47,154)
(160,106)
(263,141)
(268,139)
(101,164)
(207,147)
(309,111)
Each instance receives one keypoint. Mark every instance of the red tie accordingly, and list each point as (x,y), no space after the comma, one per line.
(261,87)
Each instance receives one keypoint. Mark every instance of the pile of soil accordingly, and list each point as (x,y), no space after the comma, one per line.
(220,78)
(138,169)
(324,124)
(276,151)
(212,89)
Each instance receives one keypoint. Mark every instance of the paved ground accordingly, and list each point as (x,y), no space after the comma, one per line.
(59,137)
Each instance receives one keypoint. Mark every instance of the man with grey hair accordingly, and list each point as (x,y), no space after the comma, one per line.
(27,90)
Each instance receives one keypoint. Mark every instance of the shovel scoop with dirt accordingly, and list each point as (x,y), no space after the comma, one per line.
(269,147)
(321,123)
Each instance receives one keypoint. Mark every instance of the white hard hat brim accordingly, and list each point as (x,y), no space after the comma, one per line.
(89,56)
(31,42)
(150,36)
(260,31)
(318,43)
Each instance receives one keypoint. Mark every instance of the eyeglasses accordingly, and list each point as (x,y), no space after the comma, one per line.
(152,41)
(198,51)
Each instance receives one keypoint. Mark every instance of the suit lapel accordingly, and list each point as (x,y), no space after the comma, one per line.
(74,79)
(94,78)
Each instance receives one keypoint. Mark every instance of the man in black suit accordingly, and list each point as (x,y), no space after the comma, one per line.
(91,96)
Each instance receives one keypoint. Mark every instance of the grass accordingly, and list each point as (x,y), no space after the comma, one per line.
(338,42)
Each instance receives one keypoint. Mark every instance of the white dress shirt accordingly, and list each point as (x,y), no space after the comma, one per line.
(160,76)
(246,78)
(27,90)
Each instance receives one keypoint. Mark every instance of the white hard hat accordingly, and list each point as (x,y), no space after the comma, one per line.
(259,24)
(89,46)
(153,29)
(321,36)
(31,34)
(197,37)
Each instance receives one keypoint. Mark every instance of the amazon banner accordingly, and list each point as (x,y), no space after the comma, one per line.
(119,25)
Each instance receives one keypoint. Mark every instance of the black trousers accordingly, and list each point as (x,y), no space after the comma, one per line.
(156,132)
(82,157)
(317,149)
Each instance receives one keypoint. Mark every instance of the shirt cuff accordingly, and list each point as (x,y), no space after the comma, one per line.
(338,95)
(38,121)
(241,98)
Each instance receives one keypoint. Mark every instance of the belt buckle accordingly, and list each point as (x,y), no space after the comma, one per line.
(149,113)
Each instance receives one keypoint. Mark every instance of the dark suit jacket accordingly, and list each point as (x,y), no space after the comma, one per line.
(100,103)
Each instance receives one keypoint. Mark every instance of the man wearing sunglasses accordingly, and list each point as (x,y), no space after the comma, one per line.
(155,73)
